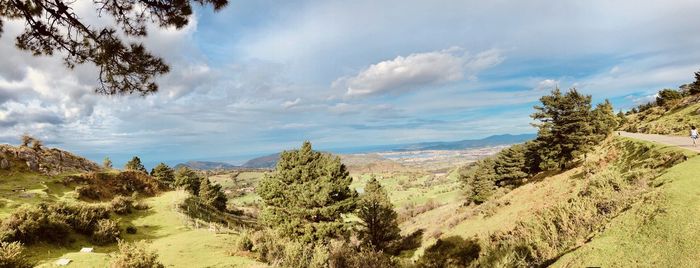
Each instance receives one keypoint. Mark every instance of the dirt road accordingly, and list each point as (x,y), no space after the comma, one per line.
(680,141)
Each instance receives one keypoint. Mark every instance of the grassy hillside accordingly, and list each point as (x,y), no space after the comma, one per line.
(672,119)
(177,243)
(623,176)
(662,231)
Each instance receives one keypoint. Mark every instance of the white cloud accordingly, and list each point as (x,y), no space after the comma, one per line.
(419,69)
(547,85)
(289,104)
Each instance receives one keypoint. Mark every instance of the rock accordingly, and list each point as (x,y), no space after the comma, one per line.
(4,164)
(32,165)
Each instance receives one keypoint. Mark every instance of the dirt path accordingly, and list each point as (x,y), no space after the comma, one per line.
(680,141)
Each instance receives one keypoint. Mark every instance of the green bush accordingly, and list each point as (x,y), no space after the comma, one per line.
(122,204)
(88,192)
(30,224)
(244,243)
(135,255)
(106,231)
(82,217)
(344,255)
(51,222)
(452,251)
(12,255)
(130,229)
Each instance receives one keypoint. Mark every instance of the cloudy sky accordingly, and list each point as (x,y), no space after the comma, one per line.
(261,76)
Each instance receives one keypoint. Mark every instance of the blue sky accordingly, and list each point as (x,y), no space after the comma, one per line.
(262,76)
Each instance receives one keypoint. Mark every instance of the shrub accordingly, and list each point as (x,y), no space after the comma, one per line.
(12,255)
(130,229)
(83,218)
(452,251)
(135,255)
(88,192)
(122,205)
(51,223)
(244,243)
(29,224)
(342,254)
(106,231)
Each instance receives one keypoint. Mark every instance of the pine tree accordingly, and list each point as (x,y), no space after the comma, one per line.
(604,120)
(480,181)
(621,118)
(135,165)
(164,174)
(187,179)
(379,220)
(53,27)
(212,195)
(695,86)
(306,195)
(565,129)
(511,166)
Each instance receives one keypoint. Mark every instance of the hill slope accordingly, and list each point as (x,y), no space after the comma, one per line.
(672,119)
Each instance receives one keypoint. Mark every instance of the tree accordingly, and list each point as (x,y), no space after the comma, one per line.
(695,86)
(565,131)
(667,96)
(604,120)
(187,179)
(379,220)
(511,165)
(479,180)
(212,195)
(621,118)
(135,165)
(26,140)
(37,144)
(164,174)
(51,26)
(106,162)
(306,194)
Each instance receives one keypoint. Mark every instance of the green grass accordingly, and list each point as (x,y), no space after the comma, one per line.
(18,188)
(677,121)
(662,232)
(177,244)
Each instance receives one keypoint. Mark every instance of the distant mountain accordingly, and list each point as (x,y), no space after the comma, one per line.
(467,144)
(206,165)
(268,161)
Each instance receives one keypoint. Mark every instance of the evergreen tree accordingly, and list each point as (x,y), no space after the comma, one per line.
(621,118)
(106,162)
(480,181)
(695,86)
(379,220)
(53,27)
(565,129)
(604,120)
(667,96)
(306,195)
(164,173)
(212,195)
(511,165)
(187,179)
(135,165)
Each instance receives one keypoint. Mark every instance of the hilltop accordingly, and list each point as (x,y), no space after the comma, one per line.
(43,160)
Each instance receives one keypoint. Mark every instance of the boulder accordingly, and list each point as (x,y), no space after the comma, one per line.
(4,164)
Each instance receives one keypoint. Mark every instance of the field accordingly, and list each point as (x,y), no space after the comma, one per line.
(168,232)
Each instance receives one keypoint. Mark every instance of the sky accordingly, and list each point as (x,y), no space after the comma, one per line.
(262,76)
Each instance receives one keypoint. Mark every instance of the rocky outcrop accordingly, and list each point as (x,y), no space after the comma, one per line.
(48,161)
